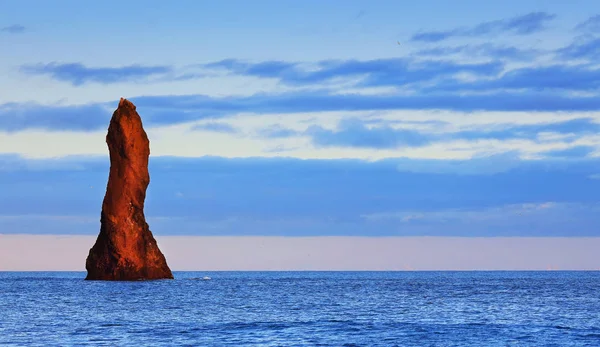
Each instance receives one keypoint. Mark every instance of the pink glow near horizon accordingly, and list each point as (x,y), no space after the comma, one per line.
(62,252)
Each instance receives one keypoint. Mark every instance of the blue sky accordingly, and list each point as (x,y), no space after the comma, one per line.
(308,118)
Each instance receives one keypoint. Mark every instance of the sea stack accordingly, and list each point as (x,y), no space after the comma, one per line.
(125,249)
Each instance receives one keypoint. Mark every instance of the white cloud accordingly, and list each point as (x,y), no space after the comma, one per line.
(180,140)
(48,91)
(513,212)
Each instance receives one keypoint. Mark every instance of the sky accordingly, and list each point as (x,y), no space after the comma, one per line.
(375,119)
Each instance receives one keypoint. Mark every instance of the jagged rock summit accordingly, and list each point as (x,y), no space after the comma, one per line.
(125,249)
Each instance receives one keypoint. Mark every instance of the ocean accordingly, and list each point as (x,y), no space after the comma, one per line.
(547,308)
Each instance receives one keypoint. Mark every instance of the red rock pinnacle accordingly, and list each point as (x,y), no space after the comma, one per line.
(125,249)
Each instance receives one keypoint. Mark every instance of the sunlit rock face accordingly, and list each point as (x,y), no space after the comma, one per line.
(125,249)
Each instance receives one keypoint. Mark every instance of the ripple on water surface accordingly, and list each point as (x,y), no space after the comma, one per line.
(304,308)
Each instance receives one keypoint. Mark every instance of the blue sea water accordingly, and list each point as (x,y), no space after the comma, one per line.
(551,308)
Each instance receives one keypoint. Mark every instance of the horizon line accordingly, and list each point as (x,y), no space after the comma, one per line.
(320,253)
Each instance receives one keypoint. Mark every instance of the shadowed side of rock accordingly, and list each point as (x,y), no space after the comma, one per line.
(125,249)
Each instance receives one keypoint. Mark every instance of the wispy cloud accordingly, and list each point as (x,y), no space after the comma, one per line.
(572,152)
(591,25)
(576,126)
(482,165)
(216,127)
(263,69)
(17,117)
(412,75)
(319,101)
(173,109)
(435,76)
(582,77)
(78,74)
(354,133)
(521,25)
(368,73)
(486,50)
(467,214)
(378,72)
(277,131)
(581,48)
(13,29)
(531,219)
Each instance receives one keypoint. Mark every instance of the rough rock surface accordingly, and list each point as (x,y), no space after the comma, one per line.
(125,249)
